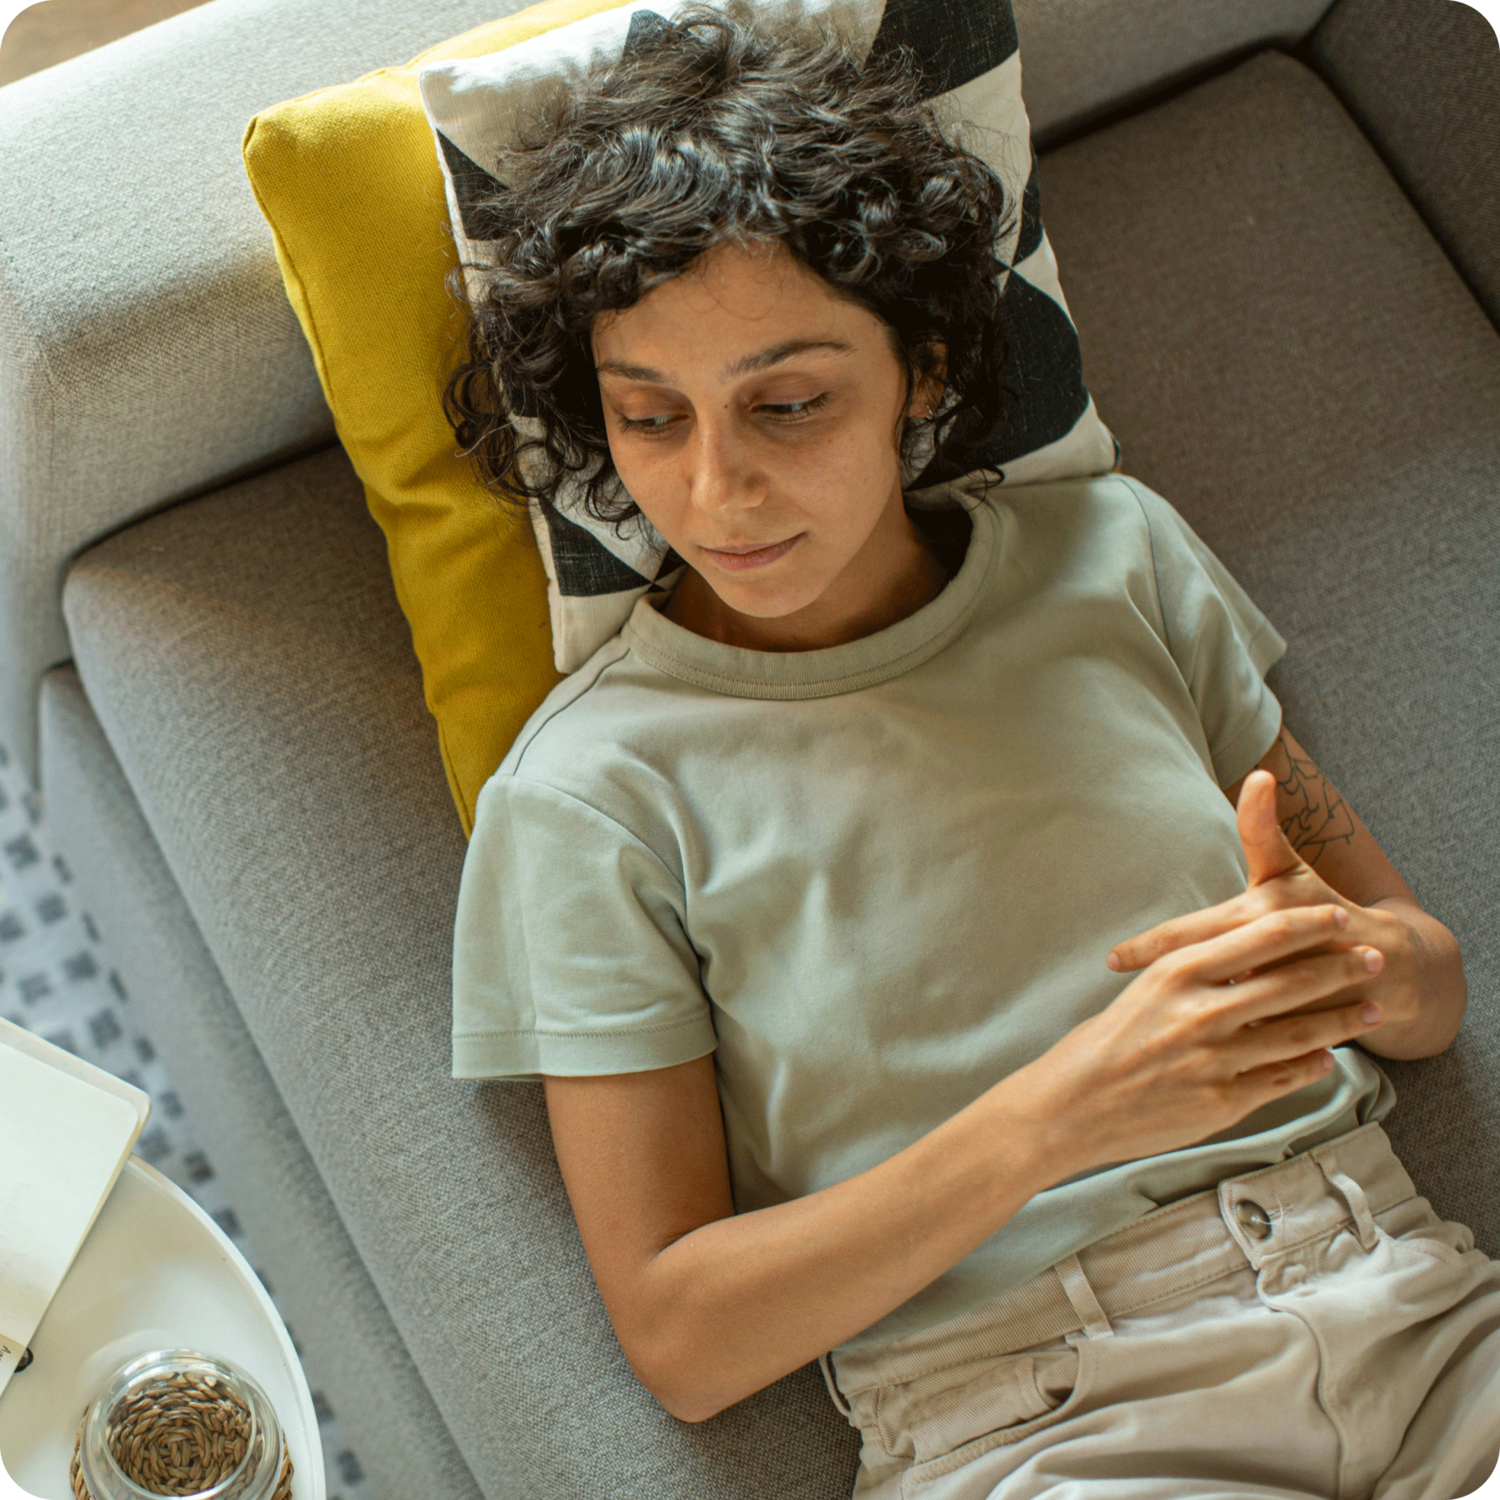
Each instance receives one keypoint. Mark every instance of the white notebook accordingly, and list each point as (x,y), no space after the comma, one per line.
(66,1128)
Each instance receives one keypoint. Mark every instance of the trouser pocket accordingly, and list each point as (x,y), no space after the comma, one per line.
(939,1420)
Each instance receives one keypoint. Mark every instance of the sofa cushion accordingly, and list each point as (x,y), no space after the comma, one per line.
(1287,354)
(350,183)
(342,1331)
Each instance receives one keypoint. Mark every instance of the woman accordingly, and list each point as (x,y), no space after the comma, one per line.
(799,896)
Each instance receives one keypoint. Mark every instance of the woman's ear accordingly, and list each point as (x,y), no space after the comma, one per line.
(927,390)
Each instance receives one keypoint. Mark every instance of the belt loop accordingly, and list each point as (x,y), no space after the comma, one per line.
(825,1364)
(1354,1196)
(1095,1324)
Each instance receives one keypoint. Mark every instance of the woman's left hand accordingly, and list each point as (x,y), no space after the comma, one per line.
(1279,878)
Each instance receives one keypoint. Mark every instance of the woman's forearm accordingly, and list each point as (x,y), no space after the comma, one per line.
(737,1303)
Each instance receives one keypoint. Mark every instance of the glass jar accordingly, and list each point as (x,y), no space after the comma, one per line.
(164,1374)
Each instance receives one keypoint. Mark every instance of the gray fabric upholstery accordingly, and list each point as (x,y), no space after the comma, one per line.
(146,345)
(247,659)
(1423,78)
(1287,355)
(146,348)
(344,1333)
(1087,58)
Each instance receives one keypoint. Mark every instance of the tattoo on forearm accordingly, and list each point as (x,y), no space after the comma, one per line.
(1319,816)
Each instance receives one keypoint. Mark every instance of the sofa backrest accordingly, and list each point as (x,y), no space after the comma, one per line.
(147,351)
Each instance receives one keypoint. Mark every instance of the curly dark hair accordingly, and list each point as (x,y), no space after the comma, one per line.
(713,132)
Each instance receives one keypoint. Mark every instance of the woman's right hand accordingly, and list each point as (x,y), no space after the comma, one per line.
(1192,1046)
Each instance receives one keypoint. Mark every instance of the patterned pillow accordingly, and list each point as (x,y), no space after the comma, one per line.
(970,56)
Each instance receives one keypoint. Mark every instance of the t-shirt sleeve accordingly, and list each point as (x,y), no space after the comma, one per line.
(1222,644)
(569,952)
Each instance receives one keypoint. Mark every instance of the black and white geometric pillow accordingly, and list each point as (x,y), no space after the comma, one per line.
(970,55)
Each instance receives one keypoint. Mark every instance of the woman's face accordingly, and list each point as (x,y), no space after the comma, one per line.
(755,417)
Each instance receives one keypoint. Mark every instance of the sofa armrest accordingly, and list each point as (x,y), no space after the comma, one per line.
(1422,77)
(147,350)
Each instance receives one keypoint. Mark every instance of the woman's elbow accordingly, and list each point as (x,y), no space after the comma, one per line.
(688,1406)
(669,1370)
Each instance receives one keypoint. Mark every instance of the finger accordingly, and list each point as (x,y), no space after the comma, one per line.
(1277,934)
(1259,1086)
(1302,1036)
(1295,986)
(1179,932)
(1360,932)
(1339,945)
(1266,847)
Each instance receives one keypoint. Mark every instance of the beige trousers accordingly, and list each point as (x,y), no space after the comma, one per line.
(1310,1329)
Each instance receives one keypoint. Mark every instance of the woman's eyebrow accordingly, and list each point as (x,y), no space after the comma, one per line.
(762,360)
(778,352)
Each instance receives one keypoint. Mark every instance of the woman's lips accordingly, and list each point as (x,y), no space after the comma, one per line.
(755,557)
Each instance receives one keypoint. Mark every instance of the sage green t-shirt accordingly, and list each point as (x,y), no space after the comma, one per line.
(875,879)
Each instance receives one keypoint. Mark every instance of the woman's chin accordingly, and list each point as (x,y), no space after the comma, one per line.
(763,601)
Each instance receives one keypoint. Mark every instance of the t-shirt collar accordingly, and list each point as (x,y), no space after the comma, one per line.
(744,673)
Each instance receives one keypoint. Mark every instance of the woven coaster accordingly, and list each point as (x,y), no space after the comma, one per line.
(178,1439)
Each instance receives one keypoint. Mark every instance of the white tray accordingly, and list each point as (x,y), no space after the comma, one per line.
(154,1273)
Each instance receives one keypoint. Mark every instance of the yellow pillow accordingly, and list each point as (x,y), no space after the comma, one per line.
(349,179)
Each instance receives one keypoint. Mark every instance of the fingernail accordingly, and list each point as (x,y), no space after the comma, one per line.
(1327,1061)
(1372,1013)
(1340,917)
(1374,960)
(1113,962)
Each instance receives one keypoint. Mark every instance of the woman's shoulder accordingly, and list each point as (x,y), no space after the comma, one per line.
(597,739)
(1060,501)
(582,696)
(1089,521)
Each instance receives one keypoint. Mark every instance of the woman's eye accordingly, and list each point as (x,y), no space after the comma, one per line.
(648,425)
(792,411)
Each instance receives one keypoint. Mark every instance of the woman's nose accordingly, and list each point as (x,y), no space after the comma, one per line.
(723,475)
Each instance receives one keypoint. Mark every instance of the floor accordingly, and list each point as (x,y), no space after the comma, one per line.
(57,980)
(56,30)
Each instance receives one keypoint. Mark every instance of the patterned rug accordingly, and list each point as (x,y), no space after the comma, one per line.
(56,979)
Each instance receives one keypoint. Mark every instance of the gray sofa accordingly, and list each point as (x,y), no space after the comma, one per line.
(1278,223)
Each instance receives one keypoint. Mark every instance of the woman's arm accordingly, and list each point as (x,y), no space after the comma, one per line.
(710,1306)
(1326,854)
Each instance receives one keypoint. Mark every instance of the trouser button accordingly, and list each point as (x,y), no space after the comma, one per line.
(1253,1218)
